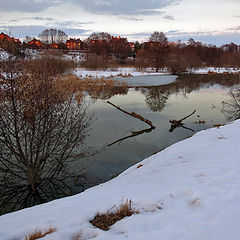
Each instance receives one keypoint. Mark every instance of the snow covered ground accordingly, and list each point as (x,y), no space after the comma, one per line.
(133,72)
(208,70)
(75,56)
(124,72)
(196,182)
(3,55)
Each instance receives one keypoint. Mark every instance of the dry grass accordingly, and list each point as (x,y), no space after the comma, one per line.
(77,236)
(39,234)
(104,221)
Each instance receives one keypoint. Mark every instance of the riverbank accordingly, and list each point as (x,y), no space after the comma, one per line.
(188,191)
(133,72)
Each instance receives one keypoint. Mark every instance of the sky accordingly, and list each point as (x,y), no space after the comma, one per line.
(210,21)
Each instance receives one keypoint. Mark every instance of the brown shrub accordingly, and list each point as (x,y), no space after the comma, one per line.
(50,65)
(104,221)
(94,61)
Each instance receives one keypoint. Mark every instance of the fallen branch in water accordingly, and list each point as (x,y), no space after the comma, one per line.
(134,134)
(133,114)
(178,123)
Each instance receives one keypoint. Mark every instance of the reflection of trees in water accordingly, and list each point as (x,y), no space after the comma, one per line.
(107,91)
(156,97)
(133,134)
(19,196)
(42,123)
(188,83)
(231,107)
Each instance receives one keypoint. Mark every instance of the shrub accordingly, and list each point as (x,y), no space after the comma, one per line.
(39,234)
(104,221)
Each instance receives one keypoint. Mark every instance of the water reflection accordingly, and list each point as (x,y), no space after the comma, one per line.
(133,134)
(116,141)
(107,92)
(158,104)
(231,107)
(157,97)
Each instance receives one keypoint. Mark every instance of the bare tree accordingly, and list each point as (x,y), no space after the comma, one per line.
(231,107)
(120,49)
(158,49)
(42,122)
(44,36)
(100,36)
(158,37)
(50,36)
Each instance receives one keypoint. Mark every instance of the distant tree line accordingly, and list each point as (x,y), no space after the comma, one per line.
(157,52)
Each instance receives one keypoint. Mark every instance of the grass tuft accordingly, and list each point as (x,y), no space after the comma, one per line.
(39,234)
(104,221)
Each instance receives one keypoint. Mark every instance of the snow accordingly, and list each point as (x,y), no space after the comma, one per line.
(75,56)
(124,72)
(133,72)
(3,55)
(208,70)
(195,181)
(131,76)
(151,80)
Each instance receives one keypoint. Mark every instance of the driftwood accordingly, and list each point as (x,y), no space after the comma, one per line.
(178,123)
(133,114)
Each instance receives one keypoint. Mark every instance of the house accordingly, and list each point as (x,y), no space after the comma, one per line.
(4,37)
(35,43)
(74,44)
(131,45)
(54,45)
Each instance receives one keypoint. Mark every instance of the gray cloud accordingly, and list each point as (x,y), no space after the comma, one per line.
(35,30)
(26,5)
(168,17)
(174,31)
(234,28)
(33,18)
(124,7)
(211,37)
(70,24)
(116,7)
(132,19)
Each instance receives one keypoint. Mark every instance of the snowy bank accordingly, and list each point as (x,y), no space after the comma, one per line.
(131,76)
(220,70)
(124,72)
(195,182)
(133,72)
(3,55)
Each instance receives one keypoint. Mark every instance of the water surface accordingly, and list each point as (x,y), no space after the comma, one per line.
(117,141)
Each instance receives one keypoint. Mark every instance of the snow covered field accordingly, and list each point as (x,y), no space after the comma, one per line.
(189,191)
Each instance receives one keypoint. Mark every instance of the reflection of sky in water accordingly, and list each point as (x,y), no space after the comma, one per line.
(111,124)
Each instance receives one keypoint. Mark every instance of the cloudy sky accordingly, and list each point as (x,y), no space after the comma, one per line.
(210,21)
